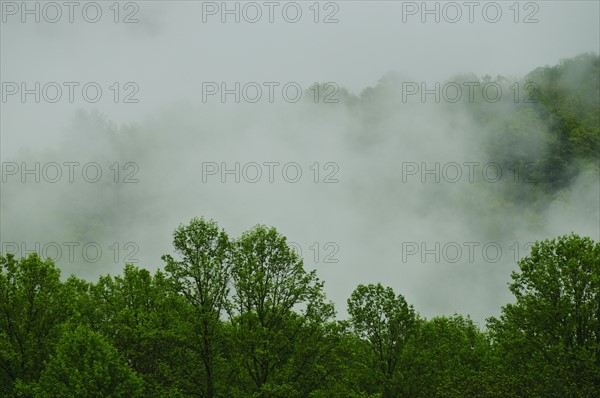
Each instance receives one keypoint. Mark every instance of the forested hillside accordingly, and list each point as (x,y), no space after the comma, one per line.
(548,121)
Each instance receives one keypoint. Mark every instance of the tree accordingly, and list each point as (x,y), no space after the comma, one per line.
(446,357)
(270,283)
(139,314)
(348,371)
(202,277)
(86,365)
(549,339)
(386,321)
(33,304)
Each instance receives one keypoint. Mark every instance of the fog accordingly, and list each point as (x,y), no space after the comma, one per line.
(354,187)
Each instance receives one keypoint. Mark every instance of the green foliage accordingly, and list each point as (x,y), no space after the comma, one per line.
(277,347)
(548,342)
(167,334)
(202,277)
(139,314)
(561,133)
(86,365)
(33,304)
(386,321)
(446,357)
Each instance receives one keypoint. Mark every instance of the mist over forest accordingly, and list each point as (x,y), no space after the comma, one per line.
(350,201)
(509,172)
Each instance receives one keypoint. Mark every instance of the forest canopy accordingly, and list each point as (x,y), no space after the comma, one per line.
(243,318)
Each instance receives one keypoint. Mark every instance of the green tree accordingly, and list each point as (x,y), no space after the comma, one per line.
(33,304)
(139,315)
(201,276)
(446,357)
(386,321)
(548,341)
(349,374)
(86,365)
(270,286)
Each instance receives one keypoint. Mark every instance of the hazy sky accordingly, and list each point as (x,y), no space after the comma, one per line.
(170,51)
(175,48)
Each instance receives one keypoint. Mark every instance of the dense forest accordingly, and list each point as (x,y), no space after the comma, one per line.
(243,317)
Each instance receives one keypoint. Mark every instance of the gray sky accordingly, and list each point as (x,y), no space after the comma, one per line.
(363,219)
(171,51)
